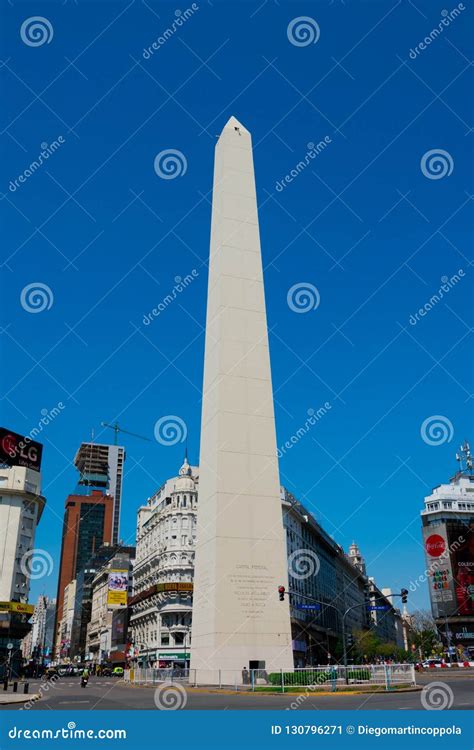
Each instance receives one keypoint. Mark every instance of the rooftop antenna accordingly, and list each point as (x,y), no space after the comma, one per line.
(464,457)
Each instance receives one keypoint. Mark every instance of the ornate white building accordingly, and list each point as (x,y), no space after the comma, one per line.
(164,571)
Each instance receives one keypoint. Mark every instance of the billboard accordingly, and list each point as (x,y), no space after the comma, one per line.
(117,588)
(19,450)
(20,607)
(180,586)
(440,578)
(119,627)
(461,545)
(450,556)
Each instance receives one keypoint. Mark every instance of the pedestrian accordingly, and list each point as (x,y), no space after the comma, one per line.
(245,676)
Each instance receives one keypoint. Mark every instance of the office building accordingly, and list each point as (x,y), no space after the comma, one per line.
(101,467)
(448,538)
(38,643)
(110,591)
(163,574)
(87,525)
(21,508)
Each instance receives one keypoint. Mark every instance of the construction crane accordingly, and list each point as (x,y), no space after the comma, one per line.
(116,428)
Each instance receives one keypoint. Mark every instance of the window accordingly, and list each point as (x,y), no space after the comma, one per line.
(165,639)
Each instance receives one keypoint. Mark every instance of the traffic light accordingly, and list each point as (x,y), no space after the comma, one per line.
(281,592)
(404,593)
(350,640)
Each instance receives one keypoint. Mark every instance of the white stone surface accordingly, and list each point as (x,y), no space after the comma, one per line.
(241,549)
(20,510)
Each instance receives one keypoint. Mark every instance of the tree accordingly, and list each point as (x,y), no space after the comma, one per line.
(424,634)
(365,644)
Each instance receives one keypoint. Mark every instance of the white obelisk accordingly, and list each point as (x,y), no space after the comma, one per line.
(238,620)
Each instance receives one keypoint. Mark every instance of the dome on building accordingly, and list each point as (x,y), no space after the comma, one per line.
(185,482)
(185,470)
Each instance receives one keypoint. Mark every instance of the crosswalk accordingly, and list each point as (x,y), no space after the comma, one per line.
(92,683)
(77,683)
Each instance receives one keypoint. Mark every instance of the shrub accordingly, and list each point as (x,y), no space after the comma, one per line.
(304,677)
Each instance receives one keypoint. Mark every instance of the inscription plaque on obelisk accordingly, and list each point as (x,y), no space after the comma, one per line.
(238,620)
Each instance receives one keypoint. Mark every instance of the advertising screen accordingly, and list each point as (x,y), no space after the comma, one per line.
(117,588)
(461,545)
(440,578)
(19,450)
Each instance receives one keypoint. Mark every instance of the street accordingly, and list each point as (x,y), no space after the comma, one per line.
(109,694)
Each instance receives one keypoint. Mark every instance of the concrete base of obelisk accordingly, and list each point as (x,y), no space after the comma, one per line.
(245,626)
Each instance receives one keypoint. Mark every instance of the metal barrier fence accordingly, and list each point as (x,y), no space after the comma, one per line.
(331,678)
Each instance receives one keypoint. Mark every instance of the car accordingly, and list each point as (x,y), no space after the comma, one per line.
(117,672)
(432,663)
(50,673)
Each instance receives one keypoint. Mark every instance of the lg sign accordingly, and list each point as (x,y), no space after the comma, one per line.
(435,545)
(19,450)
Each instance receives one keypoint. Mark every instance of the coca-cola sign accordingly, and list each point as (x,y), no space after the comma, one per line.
(435,545)
(19,450)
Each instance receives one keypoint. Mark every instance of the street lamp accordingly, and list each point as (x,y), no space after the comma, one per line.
(281,591)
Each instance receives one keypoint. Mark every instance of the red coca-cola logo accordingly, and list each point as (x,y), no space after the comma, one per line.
(435,545)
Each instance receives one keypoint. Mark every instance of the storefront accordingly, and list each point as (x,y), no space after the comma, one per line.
(166,659)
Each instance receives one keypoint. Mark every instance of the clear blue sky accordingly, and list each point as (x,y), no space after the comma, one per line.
(362,223)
